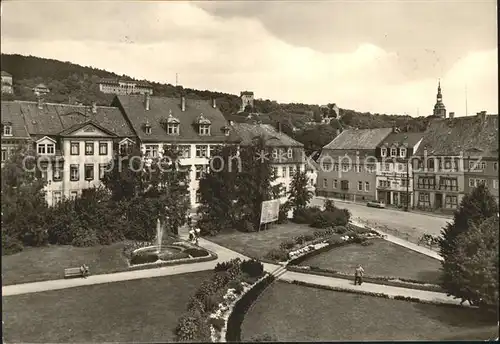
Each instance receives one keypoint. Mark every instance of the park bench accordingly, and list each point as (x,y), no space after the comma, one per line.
(73,272)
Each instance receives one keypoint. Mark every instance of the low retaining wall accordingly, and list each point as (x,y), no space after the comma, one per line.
(211,256)
(233,325)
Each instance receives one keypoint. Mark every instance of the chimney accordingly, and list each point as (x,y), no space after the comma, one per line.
(451,115)
(40,103)
(183,103)
(94,107)
(147,99)
(214,103)
(279,127)
(482,115)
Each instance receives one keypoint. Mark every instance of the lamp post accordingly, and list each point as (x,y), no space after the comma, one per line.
(407,200)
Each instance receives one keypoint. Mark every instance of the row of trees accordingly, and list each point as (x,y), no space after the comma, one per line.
(126,207)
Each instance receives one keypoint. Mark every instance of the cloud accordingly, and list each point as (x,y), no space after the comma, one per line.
(232,53)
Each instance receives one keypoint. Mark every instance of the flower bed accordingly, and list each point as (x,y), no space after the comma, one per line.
(389,281)
(209,309)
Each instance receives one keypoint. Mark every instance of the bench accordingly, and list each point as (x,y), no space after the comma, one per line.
(73,272)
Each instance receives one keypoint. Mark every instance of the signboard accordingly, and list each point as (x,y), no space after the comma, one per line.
(270,211)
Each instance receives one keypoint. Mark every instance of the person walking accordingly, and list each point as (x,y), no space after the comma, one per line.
(358,275)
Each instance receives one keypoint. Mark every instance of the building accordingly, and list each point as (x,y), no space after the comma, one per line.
(439,108)
(347,165)
(394,178)
(287,154)
(455,155)
(73,143)
(7,83)
(14,132)
(197,126)
(312,169)
(246,100)
(120,86)
(40,90)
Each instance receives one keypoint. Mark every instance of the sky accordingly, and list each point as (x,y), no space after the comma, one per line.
(373,56)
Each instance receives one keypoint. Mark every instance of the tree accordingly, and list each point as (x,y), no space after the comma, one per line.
(299,195)
(471,273)
(474,208)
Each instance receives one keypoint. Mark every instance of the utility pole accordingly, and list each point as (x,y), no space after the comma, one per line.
(407,201)
(466,109)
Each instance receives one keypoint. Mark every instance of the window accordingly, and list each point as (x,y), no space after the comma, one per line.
(125,147)
(103,148)
(450,202)
(360,186)
(7,130)
(57,197)
(74,173)
(57,174)
(335,183)
(394,151)
(204,129)
(201,151)
(345,168)
(430,164)
(344,185)
(404,183)
(89,148)
(89,172)
(383,152)
(325,183)
(290,153)
(495,166)
(148,130)
(283,171)
(495,183)
(477,165)
(367,186)
(275,172)
(75,148)
(198,197)
(151,151)
(73,194)
(358,168)
(51,149)
(199,171)
(472,182)
(185,151)
(173,129)
(402,152)
(370,168)
(423,197)
(275,153)
(5,155)
(41,148)
(213,149)
(102,170)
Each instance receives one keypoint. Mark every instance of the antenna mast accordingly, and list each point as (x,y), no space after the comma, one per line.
(466,109)
(176,79)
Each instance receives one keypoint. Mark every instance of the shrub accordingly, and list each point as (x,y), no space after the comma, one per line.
(252,268)
(196,252)
(143,258)
(220,280)
(192,327)
(357,239)
(334,241)
(367,243)
(329,205)
(246,226)
(277,255)
(283,216)
(236,285)
(306,215)
(217,323)
(85,237)
(338,217)
(287,244)
(308,237)
(10,245)
(211,302)
(264,338)
(224,266)
(340,230)
(299,240)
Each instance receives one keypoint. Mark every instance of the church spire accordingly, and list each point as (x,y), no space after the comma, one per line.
(439,108)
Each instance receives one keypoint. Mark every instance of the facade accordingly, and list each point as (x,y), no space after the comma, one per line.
(7,83)
(73,143)
(246,100)
(394,178)
(455,155)
(40,90)
(197,126)
(14,132)
(312,169)
(287,154)
(347,165)
(117,86)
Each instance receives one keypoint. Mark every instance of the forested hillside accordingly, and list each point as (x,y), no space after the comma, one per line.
(72,83)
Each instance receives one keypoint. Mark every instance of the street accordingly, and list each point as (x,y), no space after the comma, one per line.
(406,225)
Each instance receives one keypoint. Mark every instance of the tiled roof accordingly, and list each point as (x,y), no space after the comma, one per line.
(11,114)
(159,110)
(41,86)
(359,139)
(77,126)
(54,118)
(248,132)
(4,73)
(410,138)
(463,134)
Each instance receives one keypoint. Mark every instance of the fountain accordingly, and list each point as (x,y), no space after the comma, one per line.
(159,235)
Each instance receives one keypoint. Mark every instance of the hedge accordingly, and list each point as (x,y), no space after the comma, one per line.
(233,333)
(298,260)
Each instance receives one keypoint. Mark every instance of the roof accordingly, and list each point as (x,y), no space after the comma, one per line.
(78,126)
(52,119)
(41,86)
(248,132)
(410,138)
(359,139)
(11,115)
(116,81)
(311,164)
(246,93)
(452,136)
(159,110)
(250,118)
(4,73)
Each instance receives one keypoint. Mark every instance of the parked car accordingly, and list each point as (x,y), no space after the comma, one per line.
(376,204)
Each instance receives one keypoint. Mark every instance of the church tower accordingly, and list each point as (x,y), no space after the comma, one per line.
(439,108)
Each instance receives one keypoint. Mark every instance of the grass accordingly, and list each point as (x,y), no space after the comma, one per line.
(143,310)
(258,244)
(382,258)
(308,314)
(35,264)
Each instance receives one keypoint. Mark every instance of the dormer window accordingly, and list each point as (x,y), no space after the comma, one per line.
(225,130)
(7,129)
(402,152)
(394,152)
(383,152)
(203,125)
(172,125)
(289,153)
(147,128)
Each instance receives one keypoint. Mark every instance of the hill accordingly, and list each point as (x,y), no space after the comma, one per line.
(71,83)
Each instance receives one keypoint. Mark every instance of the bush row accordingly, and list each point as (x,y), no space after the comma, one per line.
(331,216)
(195,324)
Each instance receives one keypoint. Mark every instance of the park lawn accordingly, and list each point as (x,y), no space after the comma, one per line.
(143,310)
(290,312)
(382,258)
(258,244)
